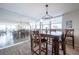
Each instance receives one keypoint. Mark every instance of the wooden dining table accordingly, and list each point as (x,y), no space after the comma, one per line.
(56,38)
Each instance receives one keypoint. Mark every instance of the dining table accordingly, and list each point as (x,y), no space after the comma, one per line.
(56,36)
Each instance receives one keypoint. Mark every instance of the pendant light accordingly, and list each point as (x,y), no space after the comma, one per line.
(47,16)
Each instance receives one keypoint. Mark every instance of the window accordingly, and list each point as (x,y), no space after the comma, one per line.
(56,23)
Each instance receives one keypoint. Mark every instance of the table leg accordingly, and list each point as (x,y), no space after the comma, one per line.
(56,46)
(63,44)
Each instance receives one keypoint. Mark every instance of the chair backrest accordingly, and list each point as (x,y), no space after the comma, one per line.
(36,32)
(69,32)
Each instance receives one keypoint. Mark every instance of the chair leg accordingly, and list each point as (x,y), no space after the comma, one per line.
(73,41)
(64,48)
(40,48)
(46,48)
(53,47)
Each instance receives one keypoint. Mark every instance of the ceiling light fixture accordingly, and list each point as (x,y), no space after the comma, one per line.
(47,16)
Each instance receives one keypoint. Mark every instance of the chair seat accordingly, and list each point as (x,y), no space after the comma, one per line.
(69,35)
(42,41)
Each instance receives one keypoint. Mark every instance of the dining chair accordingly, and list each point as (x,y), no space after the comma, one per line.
(38,44)
(69,37)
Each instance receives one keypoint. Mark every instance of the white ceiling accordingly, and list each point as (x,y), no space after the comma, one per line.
(37,10)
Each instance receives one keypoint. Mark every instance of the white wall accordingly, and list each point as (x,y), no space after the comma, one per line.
(9,16)
(74,16)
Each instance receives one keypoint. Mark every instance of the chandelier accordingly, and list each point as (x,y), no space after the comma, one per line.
(47,16)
